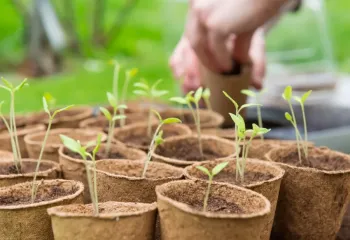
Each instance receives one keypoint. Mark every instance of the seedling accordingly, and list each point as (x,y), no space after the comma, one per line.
(257,96)
(215,171)
(145,90)
(112,118)
(206,96)
(11,127)
(75,146)
(190,98)
(129,74)
(288,95)
(157,138)
(51,118)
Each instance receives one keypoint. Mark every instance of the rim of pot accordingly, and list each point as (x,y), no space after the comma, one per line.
(188,162)
(143,208)
(308,169)
(25,130)
(280,171)
(139,162)
(29,138)
(185,208)
(43,203)
(55,166)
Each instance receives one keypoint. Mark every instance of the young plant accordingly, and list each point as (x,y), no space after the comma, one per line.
(215,171)
(255,95)
(51,118)
(76,147)
(12,128)
(243,133)
(193,97)
(145,90)
(129,74)
(206,96)
(112,118)
(157,138)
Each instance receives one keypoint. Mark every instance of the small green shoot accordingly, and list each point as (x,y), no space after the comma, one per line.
(157,138)
(12,125)
(51,118)
(215,171)
(145,90)
(112,118)
(206,97)
(76,147)
(129,74)
(257,96)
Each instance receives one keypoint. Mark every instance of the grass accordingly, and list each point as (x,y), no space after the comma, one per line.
(145,42)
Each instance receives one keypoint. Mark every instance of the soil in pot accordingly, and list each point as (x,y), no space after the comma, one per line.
(34,141)
(135,135)
(73,166)
(233,212)
(22,131)
(132,221)
(314,195)
(121,180)
(209,119)
(184,150)
(9,175)
(260,176)
(16,208)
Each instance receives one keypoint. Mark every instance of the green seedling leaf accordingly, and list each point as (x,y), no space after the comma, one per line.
(132,72)
(204,170)
(206,93)
(198,94)
(122,106)
(1,103)
(218,168)
(157,114)
(61,110)
(98,144)
(288,92)
(140,92)
(159,138)
(21,85)
(179,100)
(288,117)
(263,130)
(46,107)
(71,144)
(235,119)
(171,120)
(298,99)
(250,105)
(159,93)
(256,128)
(233,101)
(106,113)
(112,100)
(7,83)
(50,99)
(142,85)
(248,92)
(305,96)
(119,117)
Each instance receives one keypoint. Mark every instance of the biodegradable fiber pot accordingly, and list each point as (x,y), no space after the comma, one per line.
(5,155)
(116,221)
(121,180)
(313,196)
(232,213)
(34,141)
(208,119)
(9,175)
(5,139)
(228,133)
(21,219)
(135,135)
(182,151)
(260,176)
(73,166)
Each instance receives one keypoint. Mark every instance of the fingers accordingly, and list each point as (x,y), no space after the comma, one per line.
(241,48)
(178,61)
(258,56)
(218,46)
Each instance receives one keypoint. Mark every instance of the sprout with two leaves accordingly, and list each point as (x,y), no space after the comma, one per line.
(243,133)
(112,118)
(193,97)
(145,90)
(215,171)
(301,143)
(75,146)
(257,96)
(157,138)
(43,144)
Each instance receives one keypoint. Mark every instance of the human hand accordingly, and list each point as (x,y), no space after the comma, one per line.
(222,31)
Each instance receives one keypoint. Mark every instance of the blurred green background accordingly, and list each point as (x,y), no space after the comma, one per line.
(145,41)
